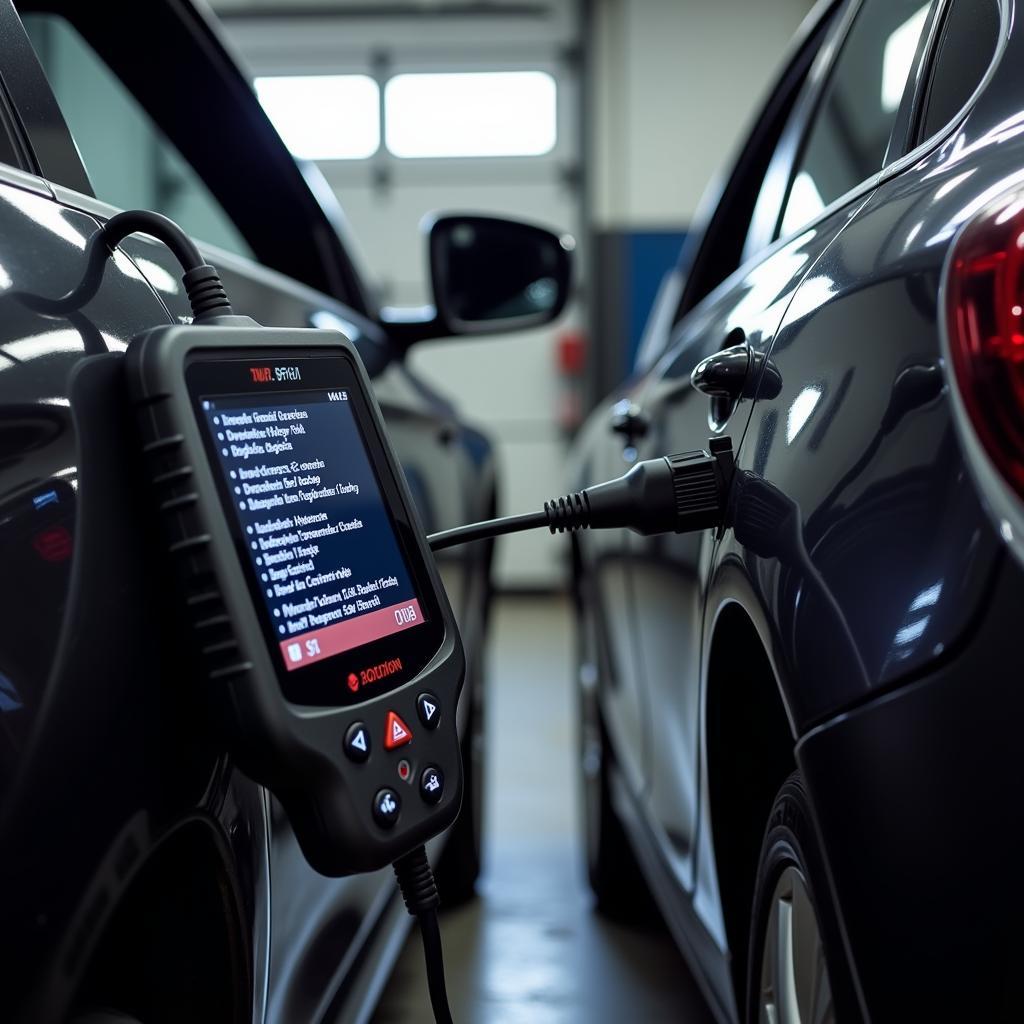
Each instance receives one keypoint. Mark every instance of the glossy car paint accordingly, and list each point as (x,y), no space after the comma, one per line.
(108,773)
(861,555)
(85,700)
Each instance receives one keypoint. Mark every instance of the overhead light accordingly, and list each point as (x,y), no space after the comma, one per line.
(471,114)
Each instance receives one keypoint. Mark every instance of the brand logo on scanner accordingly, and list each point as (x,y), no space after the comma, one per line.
(274,374)
(374,674)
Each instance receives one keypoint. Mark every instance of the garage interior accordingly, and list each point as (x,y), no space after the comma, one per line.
(639,112)
(631,112)
(616,126)
(604,121)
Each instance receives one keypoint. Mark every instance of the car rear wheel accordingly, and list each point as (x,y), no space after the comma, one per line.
(796,972)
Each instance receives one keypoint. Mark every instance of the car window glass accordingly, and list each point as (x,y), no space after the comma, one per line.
(968,41)
(130,163)
(850,130)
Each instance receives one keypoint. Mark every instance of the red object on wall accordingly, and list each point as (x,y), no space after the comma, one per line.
(571,351)
(570,361)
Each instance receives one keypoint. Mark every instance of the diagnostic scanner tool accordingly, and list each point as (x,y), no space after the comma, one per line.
(324,630)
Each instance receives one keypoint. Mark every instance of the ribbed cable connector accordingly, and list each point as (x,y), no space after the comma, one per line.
(696,486)
(571,512)
(416,880)
(674,494)
(206,293)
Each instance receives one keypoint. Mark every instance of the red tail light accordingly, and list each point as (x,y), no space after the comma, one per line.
(985,321)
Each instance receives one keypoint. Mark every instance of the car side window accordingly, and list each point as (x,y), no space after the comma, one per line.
(849,132)
(967,42)
(130,162)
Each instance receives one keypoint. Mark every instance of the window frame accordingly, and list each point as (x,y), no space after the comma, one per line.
(912,149)
(301,234)
(826,34)
(915,138)
(793,144)
(908,112)
(903,149)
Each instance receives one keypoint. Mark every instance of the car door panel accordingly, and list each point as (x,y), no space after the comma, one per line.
(668,570)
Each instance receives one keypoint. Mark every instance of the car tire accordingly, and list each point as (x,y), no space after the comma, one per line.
(620,892)
(459,866)
(796,971)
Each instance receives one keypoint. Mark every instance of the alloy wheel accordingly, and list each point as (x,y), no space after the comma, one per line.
(795,986)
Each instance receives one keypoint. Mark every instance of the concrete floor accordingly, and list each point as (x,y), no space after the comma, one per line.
(531,950)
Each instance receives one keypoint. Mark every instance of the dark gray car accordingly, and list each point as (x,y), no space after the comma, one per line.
(805,726)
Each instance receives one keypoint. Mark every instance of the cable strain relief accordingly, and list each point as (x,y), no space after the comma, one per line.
(571,512)
(416,880)
(205,293)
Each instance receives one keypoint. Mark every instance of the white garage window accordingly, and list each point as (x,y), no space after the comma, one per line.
(324,117)
(470,114)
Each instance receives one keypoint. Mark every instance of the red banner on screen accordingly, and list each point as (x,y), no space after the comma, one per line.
(318,644)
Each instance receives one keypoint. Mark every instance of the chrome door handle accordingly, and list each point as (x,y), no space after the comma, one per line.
(629,420)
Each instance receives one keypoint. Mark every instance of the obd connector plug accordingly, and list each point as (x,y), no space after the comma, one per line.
(674,494)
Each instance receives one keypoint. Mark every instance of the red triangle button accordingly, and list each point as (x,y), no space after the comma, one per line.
(396,732)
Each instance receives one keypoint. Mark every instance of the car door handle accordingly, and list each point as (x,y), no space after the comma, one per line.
(724,374)
(629,420)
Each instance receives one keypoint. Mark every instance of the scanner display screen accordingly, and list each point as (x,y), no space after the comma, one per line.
(321,545)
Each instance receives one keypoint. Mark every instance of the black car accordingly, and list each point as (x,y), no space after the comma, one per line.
(805,726)
(143,876)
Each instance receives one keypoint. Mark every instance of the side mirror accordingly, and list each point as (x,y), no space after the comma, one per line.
(491,274)
(488,275)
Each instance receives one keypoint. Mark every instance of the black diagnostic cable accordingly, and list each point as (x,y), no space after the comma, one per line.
(416,880)
(674,494)
(202,283)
